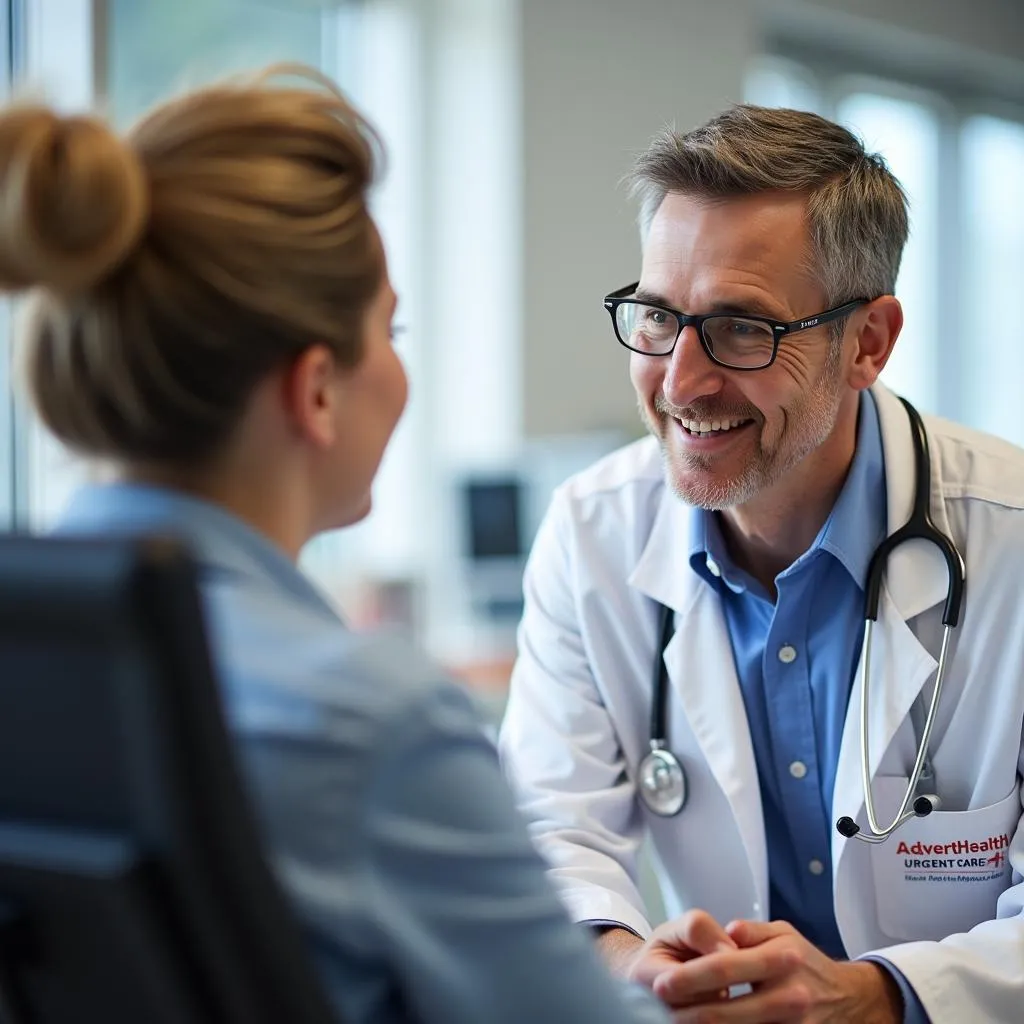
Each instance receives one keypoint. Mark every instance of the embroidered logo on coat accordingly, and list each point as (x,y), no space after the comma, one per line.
(960,860)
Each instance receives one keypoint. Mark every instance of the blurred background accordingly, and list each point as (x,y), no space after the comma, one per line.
(509,125)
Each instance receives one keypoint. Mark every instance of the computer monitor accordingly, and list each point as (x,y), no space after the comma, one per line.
(493,518)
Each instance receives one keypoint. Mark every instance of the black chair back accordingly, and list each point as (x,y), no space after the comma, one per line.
(133,889)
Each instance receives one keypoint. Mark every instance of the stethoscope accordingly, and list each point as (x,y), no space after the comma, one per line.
(661,781)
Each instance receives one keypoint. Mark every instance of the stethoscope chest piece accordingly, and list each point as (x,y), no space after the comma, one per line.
(662,782)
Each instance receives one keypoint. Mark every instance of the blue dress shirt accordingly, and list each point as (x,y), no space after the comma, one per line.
(796,658)
(382,804)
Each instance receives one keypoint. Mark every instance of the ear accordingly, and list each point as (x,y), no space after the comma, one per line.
(311,394)
(878,326)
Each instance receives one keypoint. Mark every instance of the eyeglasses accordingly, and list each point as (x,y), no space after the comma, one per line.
(736,342)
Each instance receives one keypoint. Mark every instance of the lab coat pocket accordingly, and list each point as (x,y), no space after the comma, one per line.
(941,874)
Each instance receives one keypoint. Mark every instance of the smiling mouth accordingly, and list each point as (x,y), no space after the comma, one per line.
(710,428)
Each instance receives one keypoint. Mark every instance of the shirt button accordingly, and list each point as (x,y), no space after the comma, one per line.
(713,567)
(816,867)
(798,769)
(787,654)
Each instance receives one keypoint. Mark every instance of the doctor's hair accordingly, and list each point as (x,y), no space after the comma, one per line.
(856,209)
(172,269)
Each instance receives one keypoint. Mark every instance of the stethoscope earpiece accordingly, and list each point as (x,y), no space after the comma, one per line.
(847,827)
(923,806)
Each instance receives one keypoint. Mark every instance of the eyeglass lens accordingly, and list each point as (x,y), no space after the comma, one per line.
(734,340)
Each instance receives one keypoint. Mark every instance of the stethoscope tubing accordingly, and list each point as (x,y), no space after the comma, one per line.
(920,526)
(877,834)
(659,731)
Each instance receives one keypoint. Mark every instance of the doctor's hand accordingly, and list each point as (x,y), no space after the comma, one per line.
(791,982)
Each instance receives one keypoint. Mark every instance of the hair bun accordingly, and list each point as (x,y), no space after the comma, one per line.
(73,200)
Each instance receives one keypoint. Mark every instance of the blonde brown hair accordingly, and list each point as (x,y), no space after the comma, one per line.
(172,269)
(856,209)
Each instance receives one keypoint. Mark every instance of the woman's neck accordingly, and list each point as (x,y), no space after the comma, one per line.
(273,506)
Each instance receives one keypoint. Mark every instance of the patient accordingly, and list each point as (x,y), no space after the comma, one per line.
(210,316)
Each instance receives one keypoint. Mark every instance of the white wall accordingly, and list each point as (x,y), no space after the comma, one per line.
(598,80)
(599,77)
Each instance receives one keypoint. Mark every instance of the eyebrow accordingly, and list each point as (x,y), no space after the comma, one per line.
(753,308)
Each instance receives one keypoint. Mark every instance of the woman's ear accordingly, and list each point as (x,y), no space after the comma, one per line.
(880,322)
(311,392)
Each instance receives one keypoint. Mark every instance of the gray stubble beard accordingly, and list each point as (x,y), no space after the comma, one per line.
(819,418)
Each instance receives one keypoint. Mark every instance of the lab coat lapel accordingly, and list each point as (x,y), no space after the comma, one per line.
(900,666)
(705,689)
(915,580)
(663,570)
(702,672)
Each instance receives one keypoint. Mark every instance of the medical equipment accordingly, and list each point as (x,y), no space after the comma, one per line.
(919,526)
(662,781)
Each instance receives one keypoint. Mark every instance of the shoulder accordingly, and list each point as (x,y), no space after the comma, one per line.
(292,668)
(320,712)
(977,466)
(599,522)
(968,466)
(981,480)
(621,472)
(622,488)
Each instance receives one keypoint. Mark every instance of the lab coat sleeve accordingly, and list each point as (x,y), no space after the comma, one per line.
(975,975)
(560,749)
(913,1011)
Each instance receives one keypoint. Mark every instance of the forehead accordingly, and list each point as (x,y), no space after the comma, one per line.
(699,250)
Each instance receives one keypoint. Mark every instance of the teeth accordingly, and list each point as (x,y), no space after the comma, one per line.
(705,427)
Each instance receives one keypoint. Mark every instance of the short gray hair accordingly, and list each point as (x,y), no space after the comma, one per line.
(856,209)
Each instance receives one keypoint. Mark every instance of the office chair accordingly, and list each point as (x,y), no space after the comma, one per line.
(132,887)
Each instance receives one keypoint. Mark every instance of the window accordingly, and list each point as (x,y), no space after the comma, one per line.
(907,132)
(960,168)
(146,52)
(992,153)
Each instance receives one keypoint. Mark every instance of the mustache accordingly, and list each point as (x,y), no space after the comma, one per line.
(702,411)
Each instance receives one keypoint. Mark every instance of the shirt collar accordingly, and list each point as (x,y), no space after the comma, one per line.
(850,534)
(857,522)
(217,539)
(709,558)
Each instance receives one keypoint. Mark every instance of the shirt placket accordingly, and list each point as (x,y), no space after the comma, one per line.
(787,677)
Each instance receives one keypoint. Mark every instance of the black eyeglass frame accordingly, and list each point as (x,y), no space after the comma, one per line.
(779,328)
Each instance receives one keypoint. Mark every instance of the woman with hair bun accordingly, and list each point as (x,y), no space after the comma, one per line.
(210,315)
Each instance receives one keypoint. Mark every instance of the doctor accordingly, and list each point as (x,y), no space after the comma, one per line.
(728,555)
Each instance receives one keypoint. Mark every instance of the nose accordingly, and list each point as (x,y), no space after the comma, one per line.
(690,373)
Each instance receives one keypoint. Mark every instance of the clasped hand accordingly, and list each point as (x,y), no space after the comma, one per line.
(691,963)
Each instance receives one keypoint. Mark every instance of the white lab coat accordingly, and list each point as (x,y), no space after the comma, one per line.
(578,719)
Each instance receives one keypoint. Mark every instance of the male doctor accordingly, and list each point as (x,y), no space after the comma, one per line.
(762,319)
